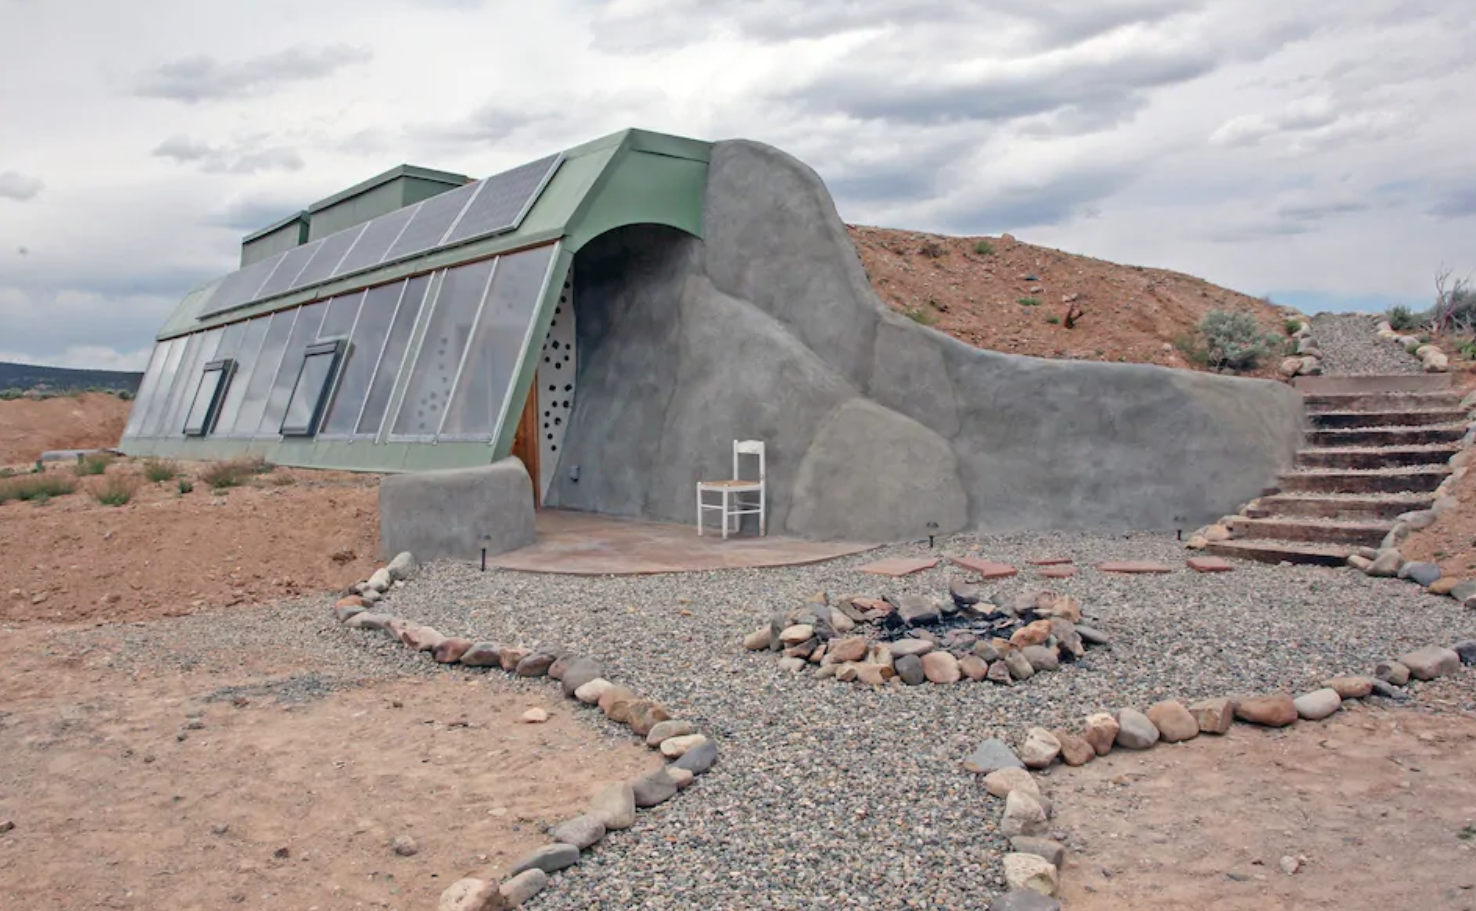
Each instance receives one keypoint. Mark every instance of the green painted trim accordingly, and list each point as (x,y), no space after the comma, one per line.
(299,216)
(404,170)
(336,455)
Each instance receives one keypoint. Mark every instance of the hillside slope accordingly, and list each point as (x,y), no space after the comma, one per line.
(1130,314)
(63,379)
(93,420)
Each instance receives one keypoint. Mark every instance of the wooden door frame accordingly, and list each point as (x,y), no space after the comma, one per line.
(526,443)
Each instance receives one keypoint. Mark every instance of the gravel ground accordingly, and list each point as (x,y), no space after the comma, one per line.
(829,793)
(1350,347)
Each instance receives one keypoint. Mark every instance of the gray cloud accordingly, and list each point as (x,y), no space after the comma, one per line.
(1318,211)
(1459,203)
(248,158)
(203,78)
(20,187)
(1074,193)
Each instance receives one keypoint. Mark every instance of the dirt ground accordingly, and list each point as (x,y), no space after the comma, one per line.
(1378,808)
(164,789)
(280,534)
(91,420)
(1130,313)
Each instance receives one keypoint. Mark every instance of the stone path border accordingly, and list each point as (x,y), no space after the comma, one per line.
(1431,357)
(614,807)
(1308,359)
(1035,864)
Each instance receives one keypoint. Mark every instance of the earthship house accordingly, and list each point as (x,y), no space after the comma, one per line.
(615,315)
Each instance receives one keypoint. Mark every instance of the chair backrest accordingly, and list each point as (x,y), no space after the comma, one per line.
(748,447)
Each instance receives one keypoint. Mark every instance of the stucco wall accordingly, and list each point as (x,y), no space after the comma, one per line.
(875,425)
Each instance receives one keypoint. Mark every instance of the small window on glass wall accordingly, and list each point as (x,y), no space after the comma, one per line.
(310,392)
(205,408)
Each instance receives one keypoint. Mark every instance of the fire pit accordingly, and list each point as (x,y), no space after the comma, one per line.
(912,639)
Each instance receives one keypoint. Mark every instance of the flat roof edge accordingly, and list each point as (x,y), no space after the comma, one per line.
(404,170)
(300,215)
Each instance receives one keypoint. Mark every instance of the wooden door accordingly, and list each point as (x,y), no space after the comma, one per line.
(526,444)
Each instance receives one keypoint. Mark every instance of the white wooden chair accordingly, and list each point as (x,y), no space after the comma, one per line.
(733,506)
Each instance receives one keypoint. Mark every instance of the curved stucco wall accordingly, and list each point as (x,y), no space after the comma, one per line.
(876,426)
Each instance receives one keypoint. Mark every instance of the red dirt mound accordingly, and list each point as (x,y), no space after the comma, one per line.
(91,420)
(1015,297)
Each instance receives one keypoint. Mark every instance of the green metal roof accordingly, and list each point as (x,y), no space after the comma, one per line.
(275,226)
(404,170)
(629,177)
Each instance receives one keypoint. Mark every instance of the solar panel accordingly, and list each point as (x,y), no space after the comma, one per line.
(433,218)
(335,245)
(240,287)
(504,200)
(292,264)
(379,234)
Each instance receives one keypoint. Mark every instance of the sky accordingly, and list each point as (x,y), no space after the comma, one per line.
(1322,154)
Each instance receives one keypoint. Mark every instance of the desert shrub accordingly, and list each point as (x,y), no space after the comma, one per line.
(95,464)
(918,315)
(125,394)
(234,473)
(185,486)
(115,490)
(983,248)
(33,487)
(932,249)
(10,395)
(1054,320)
(157,470)
(1292,324)
(1193,350)
(1402,319)
(1029,302)
(1455,306)
(1234,341)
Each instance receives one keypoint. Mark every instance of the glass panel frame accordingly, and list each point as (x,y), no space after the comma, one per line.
(449,329)
(273,347)
(373,420)
(304,333)
(497,347)
(310,390)
(214,380)
(366,346)
(248,352)
(158,402)
(140,407)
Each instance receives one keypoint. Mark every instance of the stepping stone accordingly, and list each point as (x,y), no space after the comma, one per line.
(1209,565)
(989,569)
(1050,561)
(899,566)
(1058,572)
(1133,567)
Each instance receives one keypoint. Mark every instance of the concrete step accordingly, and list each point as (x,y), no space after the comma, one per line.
(1406,480)
(1388,436)
(1331,420)
(1318,531)
(1384,457)
(1333,506)
(1391,401)
(1343,385)
(1270,551)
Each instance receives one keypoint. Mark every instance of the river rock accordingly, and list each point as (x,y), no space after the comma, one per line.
(581,831)
(973,667)
(910,669)
(1075,751)
(577,673)
(665,729)
(368,620)
(1101,732)
(1392,672)
(992,755)
(1052,851)
(677,747)
(549,859)
(914,647)
(843,650)
(1134,730)
(1214,716)
(511,657)
(757,640)
(1431,662)
(450,651)
(1019,666)
(1023,815)
(483,654)
(1350,687)
(472,895)
(1028,871)
(1025,899)
(1040,749)
(655,788)
(1041,658)
(1274,711)
(697,759)
(940,667)
(614,805)
(1001,782)
(1174,722)
(522,887)
(592,691)
(644,715)
(1318,704)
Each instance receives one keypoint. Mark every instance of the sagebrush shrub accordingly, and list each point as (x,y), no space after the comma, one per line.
(1234,341)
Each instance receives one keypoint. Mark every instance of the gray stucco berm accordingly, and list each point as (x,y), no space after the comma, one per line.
(453,514)
(876,426)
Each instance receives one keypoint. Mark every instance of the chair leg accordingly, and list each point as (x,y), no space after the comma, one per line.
(726,518)
(699,510)
(763,516)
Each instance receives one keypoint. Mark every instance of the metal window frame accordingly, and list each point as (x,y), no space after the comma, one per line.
(471,338)
(255,355)
(333,349)
(533,320)
(252,434)
(226,367)
(412,356)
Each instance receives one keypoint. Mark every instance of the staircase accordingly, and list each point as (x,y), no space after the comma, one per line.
(1377,448)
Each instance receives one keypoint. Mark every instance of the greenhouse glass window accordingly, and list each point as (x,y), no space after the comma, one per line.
(214,380)
(310,392)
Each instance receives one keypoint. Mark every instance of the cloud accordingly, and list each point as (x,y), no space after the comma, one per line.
(246,158)
(85,357)
(1307,212)
(20,187)
(1459,203)
(1075,192)
(203,78)
(247,213)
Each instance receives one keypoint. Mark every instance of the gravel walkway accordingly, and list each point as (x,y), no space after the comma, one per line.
(830,794)
(1350,347)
